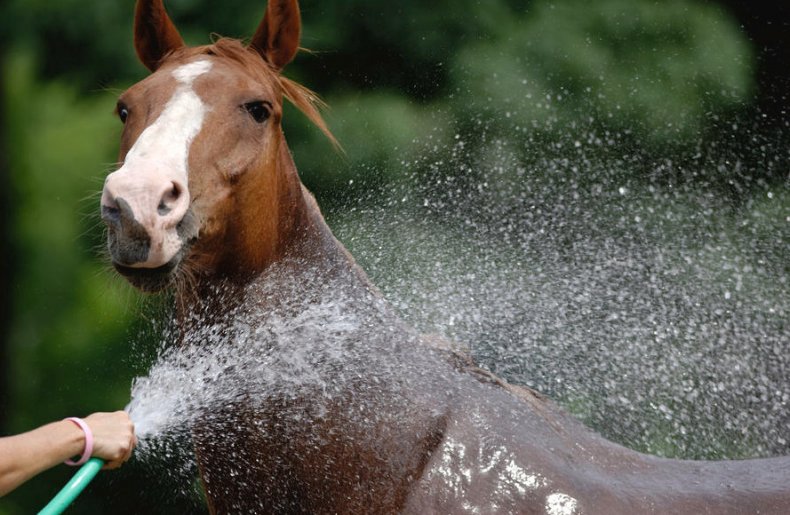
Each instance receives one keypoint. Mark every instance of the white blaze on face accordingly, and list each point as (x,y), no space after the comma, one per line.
(167,139)
(158,162)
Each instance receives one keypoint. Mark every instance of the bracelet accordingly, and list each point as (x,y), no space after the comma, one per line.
(86,454)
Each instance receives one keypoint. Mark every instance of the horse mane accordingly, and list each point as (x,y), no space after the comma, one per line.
(309,103)
(304,99)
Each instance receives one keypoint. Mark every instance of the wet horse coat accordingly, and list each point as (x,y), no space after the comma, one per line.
(208,200)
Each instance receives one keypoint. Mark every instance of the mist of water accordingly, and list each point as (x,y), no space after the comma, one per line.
(654,309)
(650,296)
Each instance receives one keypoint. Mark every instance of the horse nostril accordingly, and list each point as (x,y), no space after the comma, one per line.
(110,214)
(169,199)
(117,213)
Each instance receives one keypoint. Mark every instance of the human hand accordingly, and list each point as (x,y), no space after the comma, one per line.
(113,437)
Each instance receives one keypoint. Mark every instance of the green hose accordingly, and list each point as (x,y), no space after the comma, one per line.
(73,488)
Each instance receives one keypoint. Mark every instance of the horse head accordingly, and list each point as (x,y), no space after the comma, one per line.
(206,182)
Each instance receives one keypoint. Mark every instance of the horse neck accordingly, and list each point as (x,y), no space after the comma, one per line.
(276,223)
(303,236)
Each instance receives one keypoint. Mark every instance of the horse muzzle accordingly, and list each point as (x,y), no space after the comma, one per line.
(150,226)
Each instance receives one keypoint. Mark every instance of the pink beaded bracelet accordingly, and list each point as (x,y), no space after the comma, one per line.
(86,454)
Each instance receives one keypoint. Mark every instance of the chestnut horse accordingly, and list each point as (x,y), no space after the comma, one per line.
(208,200)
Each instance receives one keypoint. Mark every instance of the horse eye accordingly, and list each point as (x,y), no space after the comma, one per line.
(259,110)
(123,113)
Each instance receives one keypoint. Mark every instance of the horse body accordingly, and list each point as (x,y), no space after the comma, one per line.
(447,438)
(395,422)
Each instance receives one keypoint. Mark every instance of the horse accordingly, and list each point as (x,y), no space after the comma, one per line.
(207,202)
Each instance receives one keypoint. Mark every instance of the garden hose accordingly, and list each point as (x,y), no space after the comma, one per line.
(73,488)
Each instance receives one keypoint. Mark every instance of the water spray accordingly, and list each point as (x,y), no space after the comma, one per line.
(73,488)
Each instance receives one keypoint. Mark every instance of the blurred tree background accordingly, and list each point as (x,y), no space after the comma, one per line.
(404,80)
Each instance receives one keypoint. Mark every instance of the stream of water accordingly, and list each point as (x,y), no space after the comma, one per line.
(655,310)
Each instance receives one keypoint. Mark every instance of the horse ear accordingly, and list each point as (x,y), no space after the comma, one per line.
(277,37)
(155,36)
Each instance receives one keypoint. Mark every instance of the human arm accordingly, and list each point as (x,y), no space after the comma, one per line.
(25,455)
